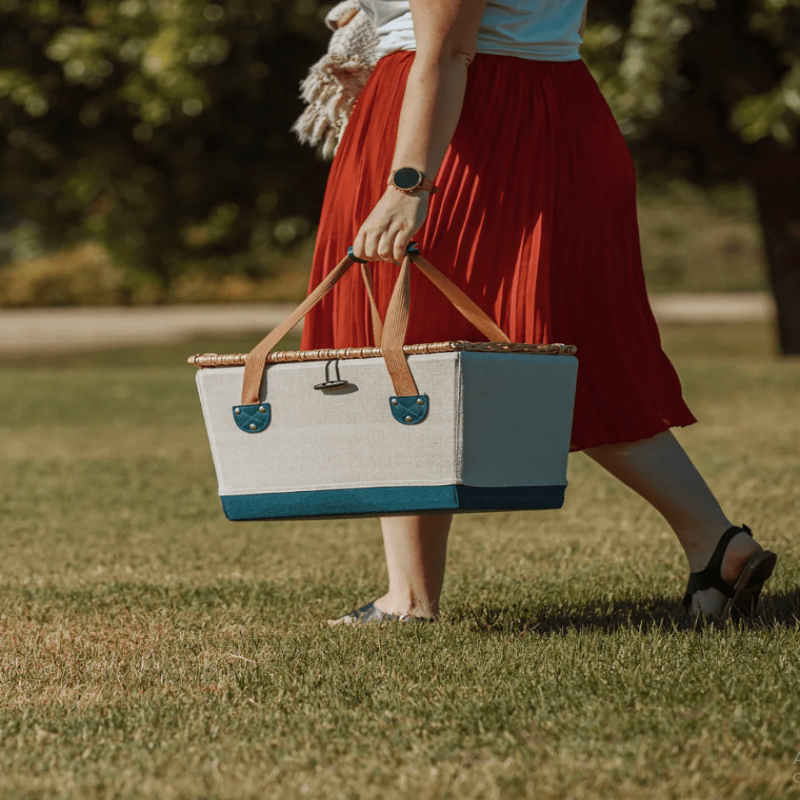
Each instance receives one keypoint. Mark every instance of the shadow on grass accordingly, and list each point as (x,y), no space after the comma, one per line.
(778,609)
(269,601)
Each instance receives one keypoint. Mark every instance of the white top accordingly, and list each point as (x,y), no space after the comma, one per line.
(543,30)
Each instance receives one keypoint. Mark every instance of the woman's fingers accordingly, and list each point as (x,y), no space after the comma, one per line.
(387,246)
(385,234)
(371,245)
(358,245)
(400,246)
(346,17)
(366,245)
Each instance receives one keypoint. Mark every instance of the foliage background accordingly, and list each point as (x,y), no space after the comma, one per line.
(159,130)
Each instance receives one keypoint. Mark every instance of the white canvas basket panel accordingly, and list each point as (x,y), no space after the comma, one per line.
(319,440)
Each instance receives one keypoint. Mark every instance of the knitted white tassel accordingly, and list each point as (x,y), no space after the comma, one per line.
(333,84)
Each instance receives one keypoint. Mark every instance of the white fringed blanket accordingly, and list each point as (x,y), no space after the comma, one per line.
(335,81)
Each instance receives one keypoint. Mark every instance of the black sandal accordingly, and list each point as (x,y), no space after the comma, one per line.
(743,595)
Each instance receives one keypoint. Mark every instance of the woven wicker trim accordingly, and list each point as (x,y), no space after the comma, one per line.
(281,356)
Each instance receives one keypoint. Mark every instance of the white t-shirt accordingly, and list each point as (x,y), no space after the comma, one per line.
(543,30)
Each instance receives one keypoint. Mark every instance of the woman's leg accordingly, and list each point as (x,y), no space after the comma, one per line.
(416,550)
(660,471)
(657,468)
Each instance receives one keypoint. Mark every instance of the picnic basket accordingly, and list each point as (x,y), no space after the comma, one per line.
(397,429)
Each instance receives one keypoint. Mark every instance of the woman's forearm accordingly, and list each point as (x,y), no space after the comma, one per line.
(432,103)
(446,33)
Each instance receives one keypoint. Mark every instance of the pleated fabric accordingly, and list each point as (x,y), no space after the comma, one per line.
(536,221)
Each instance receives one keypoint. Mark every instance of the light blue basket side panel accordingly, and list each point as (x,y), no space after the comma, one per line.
(517,418)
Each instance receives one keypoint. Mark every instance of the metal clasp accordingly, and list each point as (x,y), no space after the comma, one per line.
(336,384)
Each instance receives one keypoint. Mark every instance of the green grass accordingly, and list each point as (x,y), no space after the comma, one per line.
(151,649)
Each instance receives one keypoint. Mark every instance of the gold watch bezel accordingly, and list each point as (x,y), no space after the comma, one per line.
(419,183)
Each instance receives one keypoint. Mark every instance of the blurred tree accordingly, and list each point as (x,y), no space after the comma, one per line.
(160,128)
(710,91)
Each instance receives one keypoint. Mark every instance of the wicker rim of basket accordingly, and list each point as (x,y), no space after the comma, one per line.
(282,356)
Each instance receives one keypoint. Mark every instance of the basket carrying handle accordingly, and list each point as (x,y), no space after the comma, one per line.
(398,313)
(391,337)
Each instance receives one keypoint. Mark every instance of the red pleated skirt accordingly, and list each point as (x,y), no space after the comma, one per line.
(535,221)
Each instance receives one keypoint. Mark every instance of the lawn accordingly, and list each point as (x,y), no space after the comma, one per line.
(151,649)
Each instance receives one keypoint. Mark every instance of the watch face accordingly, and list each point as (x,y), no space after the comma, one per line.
(407,178)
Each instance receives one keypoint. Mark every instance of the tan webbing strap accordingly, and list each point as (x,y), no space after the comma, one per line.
(398,314)
(257,358)
(390,337)
(468,308)
(377,324)
(394,334)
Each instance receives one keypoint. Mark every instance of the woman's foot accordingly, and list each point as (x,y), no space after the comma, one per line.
(416,550)
(740,565)
(402,604)
(370,613)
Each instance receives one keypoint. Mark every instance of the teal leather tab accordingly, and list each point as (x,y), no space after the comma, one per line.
(409,410)
(252,419)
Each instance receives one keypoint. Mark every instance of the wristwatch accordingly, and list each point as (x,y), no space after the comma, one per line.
(409,179)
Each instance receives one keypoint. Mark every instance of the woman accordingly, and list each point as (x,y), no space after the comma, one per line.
(483,136)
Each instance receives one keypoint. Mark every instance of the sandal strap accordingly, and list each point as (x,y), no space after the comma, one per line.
(371,613)
(710,577)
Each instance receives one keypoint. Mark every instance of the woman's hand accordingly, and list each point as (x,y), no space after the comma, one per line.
(390,227)
(348,15)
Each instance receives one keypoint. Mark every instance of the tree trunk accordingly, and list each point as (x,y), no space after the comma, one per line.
(775,176)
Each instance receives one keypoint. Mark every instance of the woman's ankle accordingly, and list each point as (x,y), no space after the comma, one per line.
(699,549)
(406,602)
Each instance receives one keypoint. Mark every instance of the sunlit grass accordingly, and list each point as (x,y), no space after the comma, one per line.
(149,648)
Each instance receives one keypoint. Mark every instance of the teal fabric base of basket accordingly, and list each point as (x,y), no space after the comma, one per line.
(390,500)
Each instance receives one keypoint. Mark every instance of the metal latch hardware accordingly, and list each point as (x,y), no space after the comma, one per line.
(336,384)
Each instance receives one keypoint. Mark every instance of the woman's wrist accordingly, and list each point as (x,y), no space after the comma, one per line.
(418,192)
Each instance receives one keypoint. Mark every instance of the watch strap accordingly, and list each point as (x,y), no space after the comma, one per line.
(427,185)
